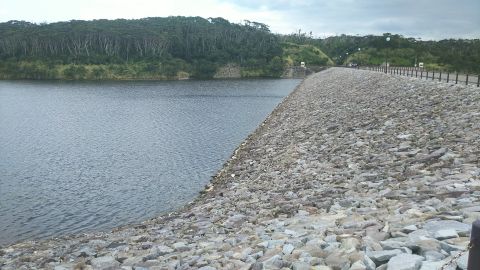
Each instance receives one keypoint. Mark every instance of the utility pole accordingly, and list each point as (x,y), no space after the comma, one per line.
(386,58)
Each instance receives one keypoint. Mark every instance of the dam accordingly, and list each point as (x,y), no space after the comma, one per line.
(353,170)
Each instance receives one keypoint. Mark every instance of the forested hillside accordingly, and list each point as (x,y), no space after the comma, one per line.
(454,55)
(157,48)
(194,47)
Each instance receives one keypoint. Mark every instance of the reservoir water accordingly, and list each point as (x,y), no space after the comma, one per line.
(90,156)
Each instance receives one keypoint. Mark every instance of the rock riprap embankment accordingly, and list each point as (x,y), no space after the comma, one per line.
(354,170)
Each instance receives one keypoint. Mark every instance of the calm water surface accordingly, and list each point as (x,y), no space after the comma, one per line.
(88,156)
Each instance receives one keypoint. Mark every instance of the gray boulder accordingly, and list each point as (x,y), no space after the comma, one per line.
(405,262)
(436,225)
(105,263)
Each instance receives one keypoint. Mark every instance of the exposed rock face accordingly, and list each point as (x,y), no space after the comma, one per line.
(354,170)
(229,71)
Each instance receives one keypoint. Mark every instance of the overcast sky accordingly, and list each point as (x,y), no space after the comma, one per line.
(427,19)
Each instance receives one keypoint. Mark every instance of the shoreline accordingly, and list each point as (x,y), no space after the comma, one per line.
(16,235)
(153,80)
(346,171)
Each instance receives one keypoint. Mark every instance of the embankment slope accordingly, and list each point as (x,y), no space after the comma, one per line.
(355,169)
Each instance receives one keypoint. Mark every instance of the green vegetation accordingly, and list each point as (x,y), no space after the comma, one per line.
(150,48)
(294,53)
(194,47)
(453,55)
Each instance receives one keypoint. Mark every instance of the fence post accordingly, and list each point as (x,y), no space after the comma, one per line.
(426,76)
(466,81)
(440,78)
(478,80)
(416,73)
(474,253)
(456,78)
(433,75)
(421,74)
(448,76)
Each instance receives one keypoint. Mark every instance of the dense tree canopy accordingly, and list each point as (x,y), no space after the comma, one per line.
(123,40)
(201,43)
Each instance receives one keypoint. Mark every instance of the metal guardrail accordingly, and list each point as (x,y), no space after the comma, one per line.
(449,77)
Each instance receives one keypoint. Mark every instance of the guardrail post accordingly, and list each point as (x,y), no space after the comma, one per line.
(426,76)
(466,81)
(421,74)
(433,75)
(478,80)
(474,253)
(440,77)
(456,78)
(448,76)
(416,73)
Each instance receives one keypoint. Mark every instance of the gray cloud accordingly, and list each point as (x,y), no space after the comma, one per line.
(429,19)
